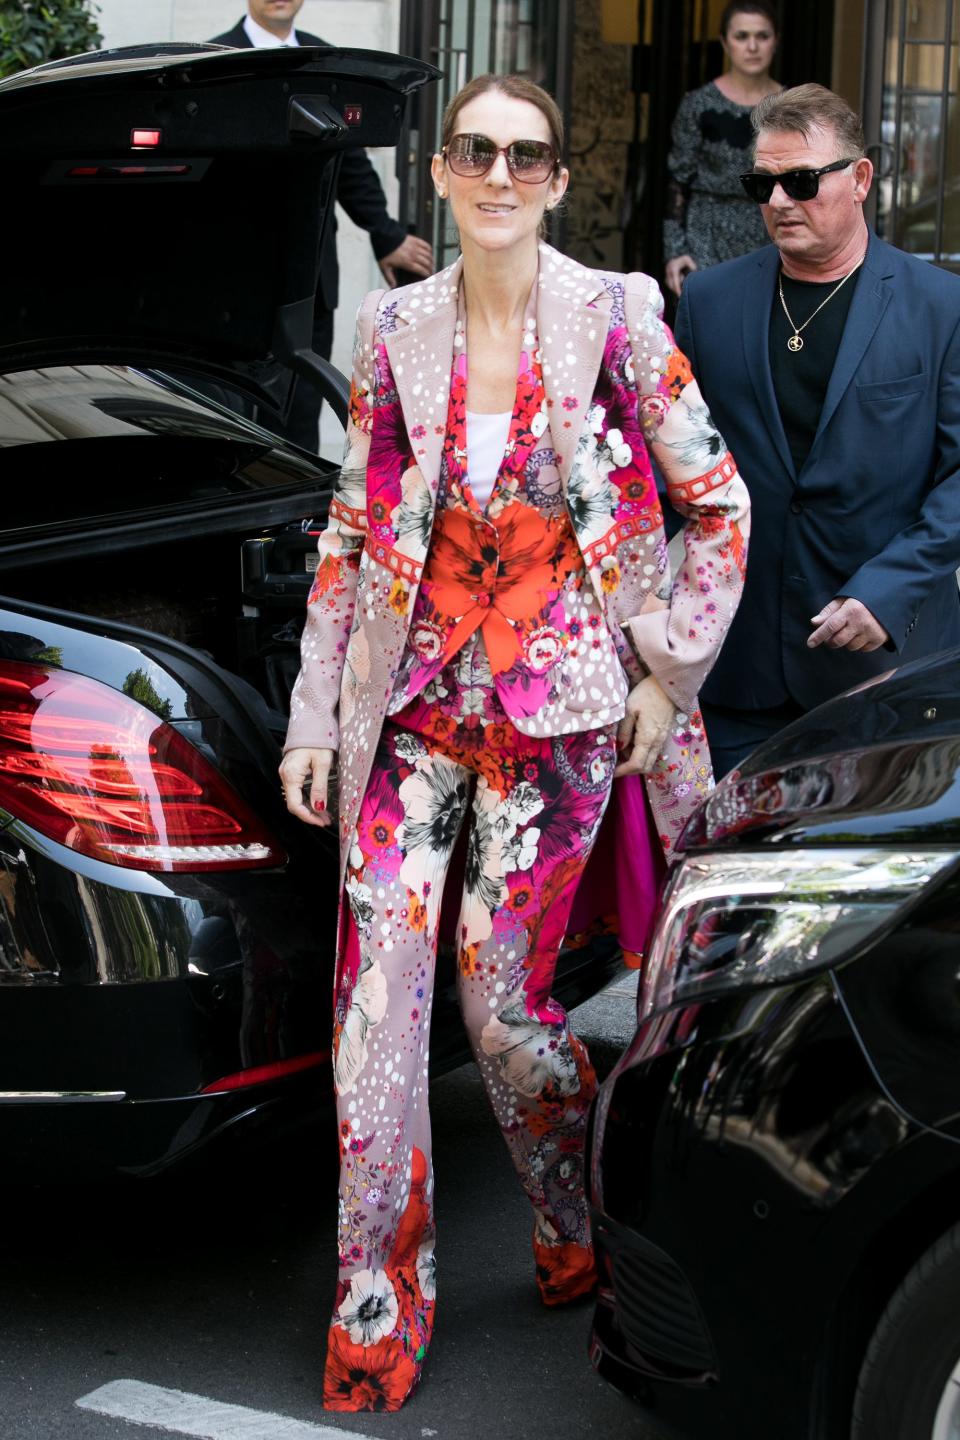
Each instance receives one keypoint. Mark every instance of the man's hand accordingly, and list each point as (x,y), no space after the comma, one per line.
(411,254)
(644,728)
(677,270)
(847,624)
(296,768)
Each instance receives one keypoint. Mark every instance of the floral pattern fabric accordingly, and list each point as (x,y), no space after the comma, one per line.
(534,808)
(476,662)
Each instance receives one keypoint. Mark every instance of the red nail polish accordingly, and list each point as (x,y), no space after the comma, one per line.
(319,805)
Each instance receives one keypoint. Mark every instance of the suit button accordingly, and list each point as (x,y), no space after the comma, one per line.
(796,508)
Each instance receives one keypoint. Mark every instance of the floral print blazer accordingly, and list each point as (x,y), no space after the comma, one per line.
(614,386)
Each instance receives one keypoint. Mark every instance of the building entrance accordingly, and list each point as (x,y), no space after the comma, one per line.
(619,69)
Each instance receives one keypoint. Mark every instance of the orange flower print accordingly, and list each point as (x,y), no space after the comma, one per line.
(678,373)
(366,1377)
(417,912)
(499,736)
(398,598)
(609,576)
(329,573)
(488,765)
(468,959)
(377,834)
(564,1271)
(521,899)
(360,411)
(415,1217)
(441,727)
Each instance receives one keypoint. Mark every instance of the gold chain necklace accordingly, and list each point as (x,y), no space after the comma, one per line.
(795,342)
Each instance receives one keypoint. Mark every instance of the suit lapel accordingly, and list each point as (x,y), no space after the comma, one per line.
(573,315)
(756,348)
(870,298)
(420,351)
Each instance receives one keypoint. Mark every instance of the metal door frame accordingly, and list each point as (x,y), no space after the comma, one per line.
(887,156)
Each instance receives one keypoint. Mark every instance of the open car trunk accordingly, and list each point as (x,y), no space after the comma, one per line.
(168,201)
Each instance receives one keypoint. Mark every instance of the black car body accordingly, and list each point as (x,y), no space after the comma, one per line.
(166,928)
(774,1162)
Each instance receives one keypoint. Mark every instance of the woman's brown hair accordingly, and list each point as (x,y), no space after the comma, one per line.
(518,87)
(748,7)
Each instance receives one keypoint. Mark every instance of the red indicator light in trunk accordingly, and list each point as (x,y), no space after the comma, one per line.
(144,139)
(92,769)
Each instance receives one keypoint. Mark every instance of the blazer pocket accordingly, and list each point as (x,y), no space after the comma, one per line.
(893,389)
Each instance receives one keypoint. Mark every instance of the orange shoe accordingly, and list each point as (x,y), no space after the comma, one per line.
(367,1377)
(565,1272)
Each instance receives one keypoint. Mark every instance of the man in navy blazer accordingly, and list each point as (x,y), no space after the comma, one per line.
(830,363)
(269,23)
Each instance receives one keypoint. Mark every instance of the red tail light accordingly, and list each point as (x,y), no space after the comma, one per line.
(96,771)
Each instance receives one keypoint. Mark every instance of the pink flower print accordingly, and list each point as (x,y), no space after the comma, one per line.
(426,638)
(543,648)
(569,402)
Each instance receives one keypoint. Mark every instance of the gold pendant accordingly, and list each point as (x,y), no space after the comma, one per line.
(795,343)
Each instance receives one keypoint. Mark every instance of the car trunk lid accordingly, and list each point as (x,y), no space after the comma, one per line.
(168,201)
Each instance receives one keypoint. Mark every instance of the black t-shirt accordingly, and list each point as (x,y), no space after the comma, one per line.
(800,377)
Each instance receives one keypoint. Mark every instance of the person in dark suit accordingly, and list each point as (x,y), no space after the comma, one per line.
(830,362)
(268,24)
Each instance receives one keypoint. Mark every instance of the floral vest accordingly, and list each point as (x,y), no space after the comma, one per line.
(513,576)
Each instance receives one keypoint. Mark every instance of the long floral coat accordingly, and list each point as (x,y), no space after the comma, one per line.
(614,385)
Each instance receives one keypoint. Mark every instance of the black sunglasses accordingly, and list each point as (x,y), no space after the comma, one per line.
(531,161)
(798,184)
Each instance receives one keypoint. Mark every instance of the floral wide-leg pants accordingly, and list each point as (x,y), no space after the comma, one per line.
(534,807)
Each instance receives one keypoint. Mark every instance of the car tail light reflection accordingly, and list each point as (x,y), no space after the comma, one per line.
(96,771)
(261,1074)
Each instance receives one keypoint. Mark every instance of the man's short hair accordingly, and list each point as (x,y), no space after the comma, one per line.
(807,107)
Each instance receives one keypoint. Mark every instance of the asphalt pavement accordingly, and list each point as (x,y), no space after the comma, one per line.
(199,1307)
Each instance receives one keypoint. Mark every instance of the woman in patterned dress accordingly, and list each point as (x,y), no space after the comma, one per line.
(709,218)
(493,615)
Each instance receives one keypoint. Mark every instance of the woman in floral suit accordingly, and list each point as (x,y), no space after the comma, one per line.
(493,612)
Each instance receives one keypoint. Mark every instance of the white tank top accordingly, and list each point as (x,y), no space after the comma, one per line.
(486,442)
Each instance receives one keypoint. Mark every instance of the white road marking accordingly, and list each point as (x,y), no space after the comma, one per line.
(184,1414)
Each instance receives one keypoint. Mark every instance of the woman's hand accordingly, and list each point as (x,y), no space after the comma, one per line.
(677,271)
(297,767)
(644,728)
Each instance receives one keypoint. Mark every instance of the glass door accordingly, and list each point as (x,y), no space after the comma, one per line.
(913,122)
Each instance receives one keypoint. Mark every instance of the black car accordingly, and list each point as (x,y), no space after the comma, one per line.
(166,929)
(775,1160)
